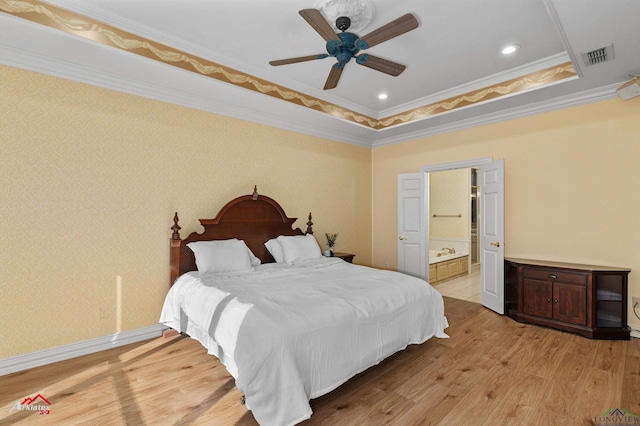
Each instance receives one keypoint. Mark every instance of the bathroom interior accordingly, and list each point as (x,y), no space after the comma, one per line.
(454,203)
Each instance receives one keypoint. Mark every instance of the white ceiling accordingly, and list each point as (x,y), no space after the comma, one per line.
(455,50)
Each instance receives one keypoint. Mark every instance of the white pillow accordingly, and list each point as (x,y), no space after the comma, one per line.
(275,248)
(299,247)
(221,256)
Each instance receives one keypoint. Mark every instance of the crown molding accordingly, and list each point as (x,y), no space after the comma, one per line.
(89,9)
(567,101)
(522,79)
(498,78)
(555,19)
(97,77)
(58,68)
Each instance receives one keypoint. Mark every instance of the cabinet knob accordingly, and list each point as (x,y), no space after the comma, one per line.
(553,276)
(548,299)
(555,301)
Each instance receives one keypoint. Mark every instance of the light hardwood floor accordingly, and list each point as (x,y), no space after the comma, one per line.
(491,371)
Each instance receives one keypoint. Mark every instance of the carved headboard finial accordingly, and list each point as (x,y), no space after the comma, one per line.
(175,228)
(255,192)
(310,225)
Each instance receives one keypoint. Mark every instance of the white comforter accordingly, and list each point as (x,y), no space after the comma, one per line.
(290,334)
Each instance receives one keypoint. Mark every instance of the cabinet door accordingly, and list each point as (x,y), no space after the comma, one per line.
(464,265)
(611,291)
(537,298)
(432,274)
(442,271)
(570,303)
(453,268)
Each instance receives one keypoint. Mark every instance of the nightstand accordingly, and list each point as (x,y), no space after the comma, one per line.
(347,257)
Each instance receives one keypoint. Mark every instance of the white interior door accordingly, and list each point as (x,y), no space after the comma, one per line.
(491,178)
(412,237)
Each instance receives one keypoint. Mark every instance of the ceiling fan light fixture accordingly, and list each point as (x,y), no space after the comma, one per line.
(510,49)
(343,23)
(359,12)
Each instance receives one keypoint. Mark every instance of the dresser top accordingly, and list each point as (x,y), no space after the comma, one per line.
(565,265)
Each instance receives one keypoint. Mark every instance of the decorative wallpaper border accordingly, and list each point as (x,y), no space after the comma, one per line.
(527,82)
(73,23)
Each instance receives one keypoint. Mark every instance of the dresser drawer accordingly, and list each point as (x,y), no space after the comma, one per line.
(554,275)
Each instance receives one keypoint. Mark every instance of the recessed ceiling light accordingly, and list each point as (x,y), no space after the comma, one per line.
(382,96)
(508,50)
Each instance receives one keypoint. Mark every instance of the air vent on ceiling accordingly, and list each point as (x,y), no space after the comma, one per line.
(599,55)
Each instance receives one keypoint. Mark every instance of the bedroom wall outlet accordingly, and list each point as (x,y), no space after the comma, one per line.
(104,312)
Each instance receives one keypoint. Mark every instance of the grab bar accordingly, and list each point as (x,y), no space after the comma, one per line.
(447,215)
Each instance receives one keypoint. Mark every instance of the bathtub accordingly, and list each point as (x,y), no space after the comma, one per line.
(437,256)
(444,266)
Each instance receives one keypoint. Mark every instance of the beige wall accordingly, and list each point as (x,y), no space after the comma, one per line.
(572,183)
(89,182)
(90,179)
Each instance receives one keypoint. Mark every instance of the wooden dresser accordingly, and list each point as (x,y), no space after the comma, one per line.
(584,299)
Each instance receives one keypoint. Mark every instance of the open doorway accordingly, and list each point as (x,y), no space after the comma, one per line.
(475,223)
(453,223)
(490,228)
(413,227)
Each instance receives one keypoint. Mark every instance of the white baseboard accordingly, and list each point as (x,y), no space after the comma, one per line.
(635,331)
(85,347)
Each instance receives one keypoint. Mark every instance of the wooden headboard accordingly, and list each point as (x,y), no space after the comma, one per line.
(253,218)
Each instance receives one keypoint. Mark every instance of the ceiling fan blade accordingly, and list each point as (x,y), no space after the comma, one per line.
(316,20)
(393,29)
(334,76)
(379,64)
(298,59)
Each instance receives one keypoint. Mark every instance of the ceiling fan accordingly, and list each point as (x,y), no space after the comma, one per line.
(345,45)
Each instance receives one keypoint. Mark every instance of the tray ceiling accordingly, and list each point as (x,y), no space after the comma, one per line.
(215,56)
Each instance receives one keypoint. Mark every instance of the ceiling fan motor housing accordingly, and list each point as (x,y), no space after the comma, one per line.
(345,50)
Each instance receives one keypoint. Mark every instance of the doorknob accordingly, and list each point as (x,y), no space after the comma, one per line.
(402,238)
(496,244)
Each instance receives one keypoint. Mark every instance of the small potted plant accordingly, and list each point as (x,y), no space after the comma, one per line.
(331,241)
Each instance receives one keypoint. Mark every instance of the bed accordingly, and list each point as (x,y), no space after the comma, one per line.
(288,324)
